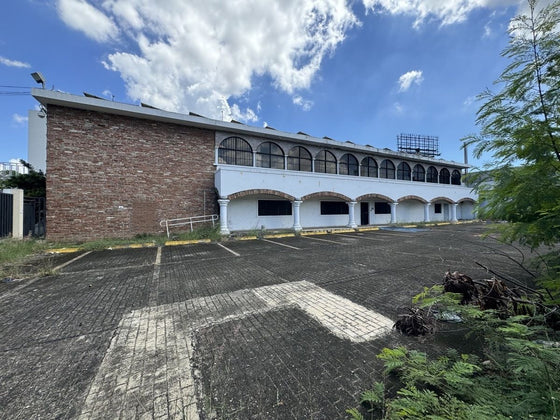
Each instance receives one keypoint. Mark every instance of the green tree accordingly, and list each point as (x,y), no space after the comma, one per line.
(520,128)
(32,183)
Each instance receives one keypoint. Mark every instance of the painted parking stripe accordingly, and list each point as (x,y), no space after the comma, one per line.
(281,244)
(228,250)
(147,371)
(371,238)
(324,240)
(71,261)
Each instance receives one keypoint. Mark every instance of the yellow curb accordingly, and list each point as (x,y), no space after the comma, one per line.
(144,245)
(367,229)
(247,238)
(188,242)
(280,235)
(316,232)
(409,226)
(443,223)
(344,231)
(64,250)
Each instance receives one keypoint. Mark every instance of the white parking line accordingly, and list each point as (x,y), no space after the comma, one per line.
(71,261)
(228,250)
(324,240)
(362,237)
(281,244)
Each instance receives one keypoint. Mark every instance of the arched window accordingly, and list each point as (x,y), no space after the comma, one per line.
(299,159)
(444,176)
(432,175)
(270,155)
(403,171)
(456,177)
(387,169)
(348,165)
(368,167)
(235,151)
(325,162)
(418,173)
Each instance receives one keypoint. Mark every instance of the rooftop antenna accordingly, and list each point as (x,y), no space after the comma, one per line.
(38,77)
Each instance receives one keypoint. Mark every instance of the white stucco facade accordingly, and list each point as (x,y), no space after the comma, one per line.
(410,201)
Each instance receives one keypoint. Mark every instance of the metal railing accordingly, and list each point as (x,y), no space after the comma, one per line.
(188,221)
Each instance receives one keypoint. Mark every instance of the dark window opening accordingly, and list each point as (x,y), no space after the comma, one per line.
(437,208)
(444,176)
(334,207)
(387,169)
(299,159)
(325,162)
(368,167)
(275,208)
(270,155)
(432,175)
(403,171)
(235,151)
(348,165)
(456,177)
(382,207)
(419,173)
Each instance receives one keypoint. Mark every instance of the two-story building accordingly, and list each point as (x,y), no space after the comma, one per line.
(116,170)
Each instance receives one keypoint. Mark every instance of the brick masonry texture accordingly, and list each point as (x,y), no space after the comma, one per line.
(116,176)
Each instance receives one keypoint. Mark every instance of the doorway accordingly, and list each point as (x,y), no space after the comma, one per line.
(364,213)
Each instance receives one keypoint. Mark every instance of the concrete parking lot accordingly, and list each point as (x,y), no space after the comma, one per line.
(285,328)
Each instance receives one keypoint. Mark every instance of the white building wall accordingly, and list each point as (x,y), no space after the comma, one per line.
(410,211)
(243,215)
(242,212)
(37,140)
(311,216)
(232,179)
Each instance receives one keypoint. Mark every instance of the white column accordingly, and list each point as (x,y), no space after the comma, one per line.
(17,215)
(254,158)
(351,218)
(453,213)
(297,223)
(216,153)
(223,216)
(426,212)
(394,212)
(285,161)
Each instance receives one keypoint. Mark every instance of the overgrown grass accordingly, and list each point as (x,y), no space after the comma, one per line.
(15,253)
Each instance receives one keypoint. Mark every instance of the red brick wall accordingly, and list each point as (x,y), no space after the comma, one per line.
(114,176)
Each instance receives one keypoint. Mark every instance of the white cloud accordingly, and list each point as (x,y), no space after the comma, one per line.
(82,16)
(446,11)
(305,104)
(406,80)
(13,63)
(19,119)
(189,54)
(398,108)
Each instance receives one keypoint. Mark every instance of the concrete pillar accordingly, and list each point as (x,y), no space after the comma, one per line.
(297,223)
(254,158)
(223,216)
(216,154)
(394,212)
(285,161)
(17,217)
(454,213)
(426,212)
(351,217)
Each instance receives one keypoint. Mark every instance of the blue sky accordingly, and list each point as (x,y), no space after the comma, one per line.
(362,71)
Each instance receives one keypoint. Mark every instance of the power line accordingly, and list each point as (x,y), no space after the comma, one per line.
(15,87)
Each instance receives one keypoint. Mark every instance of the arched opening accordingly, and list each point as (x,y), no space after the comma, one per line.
(403,171)
(299,159)
(270,155)
(348,165)
(235,151)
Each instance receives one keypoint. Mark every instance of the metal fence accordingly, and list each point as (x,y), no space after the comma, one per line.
(34,216)
(6,214)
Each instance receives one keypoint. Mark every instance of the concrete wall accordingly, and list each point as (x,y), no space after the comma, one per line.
(37,140)
(116,176)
